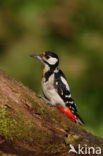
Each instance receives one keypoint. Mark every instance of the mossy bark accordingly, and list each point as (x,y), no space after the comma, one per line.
(35,127)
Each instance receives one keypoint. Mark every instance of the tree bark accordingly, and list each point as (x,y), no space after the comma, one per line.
(52,132)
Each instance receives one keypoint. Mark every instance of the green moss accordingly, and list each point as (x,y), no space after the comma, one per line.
(54,148)
(71,138)
(1,153)
(14,127)
(43,112)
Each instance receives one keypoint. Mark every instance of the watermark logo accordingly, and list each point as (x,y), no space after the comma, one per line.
(85,149)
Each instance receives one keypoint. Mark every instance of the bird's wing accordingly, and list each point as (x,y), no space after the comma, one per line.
(63,90)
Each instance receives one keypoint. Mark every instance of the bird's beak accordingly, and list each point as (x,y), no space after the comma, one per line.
(39,57)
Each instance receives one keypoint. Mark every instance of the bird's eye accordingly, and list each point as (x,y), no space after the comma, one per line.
(47,57)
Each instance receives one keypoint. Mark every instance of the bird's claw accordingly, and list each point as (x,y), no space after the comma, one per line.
(39,95)
(47,101)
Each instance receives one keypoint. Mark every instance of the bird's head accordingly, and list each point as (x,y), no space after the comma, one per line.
(48,58)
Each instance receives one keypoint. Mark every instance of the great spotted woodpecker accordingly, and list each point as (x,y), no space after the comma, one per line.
(55,86)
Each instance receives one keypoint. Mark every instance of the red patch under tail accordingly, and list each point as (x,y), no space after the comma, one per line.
(67,112)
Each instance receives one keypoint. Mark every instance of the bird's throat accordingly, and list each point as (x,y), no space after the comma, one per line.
(47,72)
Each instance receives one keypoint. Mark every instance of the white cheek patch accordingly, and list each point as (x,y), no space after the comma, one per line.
(65,82)
(52,60)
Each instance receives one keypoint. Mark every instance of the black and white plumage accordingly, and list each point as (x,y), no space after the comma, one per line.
(55,86)
(63,90)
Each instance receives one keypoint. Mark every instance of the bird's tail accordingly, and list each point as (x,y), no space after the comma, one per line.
(79,120)
(73,117)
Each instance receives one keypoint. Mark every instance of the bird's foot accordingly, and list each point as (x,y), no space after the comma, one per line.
(40,96)
(47,101)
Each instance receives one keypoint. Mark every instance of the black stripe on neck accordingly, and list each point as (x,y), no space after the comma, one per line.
(49,73)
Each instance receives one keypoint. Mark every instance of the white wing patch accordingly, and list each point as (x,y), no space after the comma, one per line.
(71,102)
(56,83)
(65,82)
(68,96)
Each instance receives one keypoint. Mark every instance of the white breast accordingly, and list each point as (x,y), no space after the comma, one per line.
(50,92)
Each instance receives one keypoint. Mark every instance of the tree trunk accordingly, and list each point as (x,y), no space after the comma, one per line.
(30,127)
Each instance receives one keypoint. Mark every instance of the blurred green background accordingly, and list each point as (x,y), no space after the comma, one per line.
(73,30)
